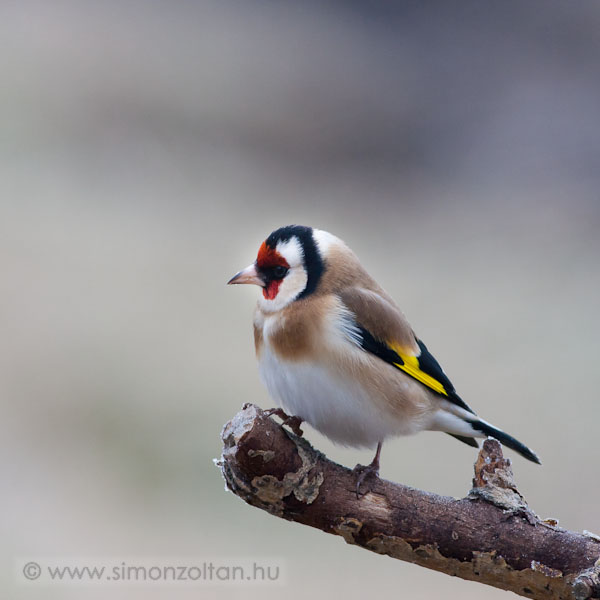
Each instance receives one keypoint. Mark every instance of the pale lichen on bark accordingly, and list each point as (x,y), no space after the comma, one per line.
(303,483)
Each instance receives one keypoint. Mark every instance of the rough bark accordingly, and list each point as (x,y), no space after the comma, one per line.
(490,536)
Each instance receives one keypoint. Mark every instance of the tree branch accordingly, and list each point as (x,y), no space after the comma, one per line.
(491,536)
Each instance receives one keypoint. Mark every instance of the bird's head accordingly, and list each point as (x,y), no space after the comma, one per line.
(289,265)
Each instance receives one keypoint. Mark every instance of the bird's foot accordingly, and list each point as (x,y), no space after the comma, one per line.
(371,470)
(292,422)
(364,472)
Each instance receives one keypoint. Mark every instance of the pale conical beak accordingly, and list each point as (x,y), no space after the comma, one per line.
(248,275)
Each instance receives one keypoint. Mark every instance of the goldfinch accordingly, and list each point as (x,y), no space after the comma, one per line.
(334,350)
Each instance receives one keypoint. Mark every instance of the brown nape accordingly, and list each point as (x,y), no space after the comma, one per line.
(375,310)
(342,270)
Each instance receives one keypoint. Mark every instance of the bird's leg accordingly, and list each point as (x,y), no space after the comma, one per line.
(368,470)
(292,422)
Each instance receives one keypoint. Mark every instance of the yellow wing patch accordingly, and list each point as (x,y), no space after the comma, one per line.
(411,367)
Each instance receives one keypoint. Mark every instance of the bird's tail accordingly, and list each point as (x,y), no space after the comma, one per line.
(466,426)
(504,438)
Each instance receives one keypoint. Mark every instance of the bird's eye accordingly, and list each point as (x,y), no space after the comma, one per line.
(280,272)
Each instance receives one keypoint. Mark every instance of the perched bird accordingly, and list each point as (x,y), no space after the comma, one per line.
(334,350)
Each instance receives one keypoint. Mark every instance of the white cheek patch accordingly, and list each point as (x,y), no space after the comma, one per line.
(294,283)
(291,287)
(291,250)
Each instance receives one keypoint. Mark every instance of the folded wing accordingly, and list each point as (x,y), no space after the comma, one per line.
(386,333)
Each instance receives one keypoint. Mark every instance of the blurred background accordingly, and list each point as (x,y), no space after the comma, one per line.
(147,149)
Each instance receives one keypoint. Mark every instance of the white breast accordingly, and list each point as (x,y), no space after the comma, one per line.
(336,405)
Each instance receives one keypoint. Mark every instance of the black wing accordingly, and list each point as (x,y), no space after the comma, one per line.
(424,367)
